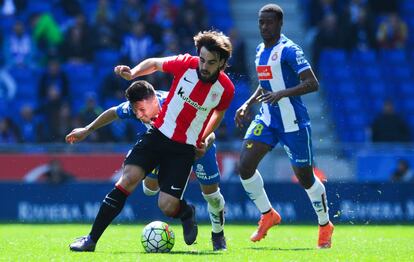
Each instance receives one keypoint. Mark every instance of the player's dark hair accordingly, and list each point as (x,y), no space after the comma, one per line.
(273,8)
(214,41)
(139,90)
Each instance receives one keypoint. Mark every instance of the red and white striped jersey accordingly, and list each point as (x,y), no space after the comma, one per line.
(190,103)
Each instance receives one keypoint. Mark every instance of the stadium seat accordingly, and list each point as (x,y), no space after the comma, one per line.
(369,73)
(365,57)
(106,58)
(334,57)
(393,57)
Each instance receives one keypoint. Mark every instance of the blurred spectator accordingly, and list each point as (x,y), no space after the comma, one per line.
(186,28)
(88,113)
(56,174)
(361,32)
(163,13)
(76,47)
(30,127)
(104,35)
(403,172)
(113,87)
(199,11)
(52,173)
(9,132)
(71,7)
(50,109)
(238,59)
(170,43)
(46,33)
(55,77)
(18,48)
(319,9)
(130,13)
(65,122)
(104,9)
(389,126)
(381,7)
(12,7)
(327,37)
(392,32)
(137,45)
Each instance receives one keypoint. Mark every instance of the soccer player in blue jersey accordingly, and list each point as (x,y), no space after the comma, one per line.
(284,75)
(144,104)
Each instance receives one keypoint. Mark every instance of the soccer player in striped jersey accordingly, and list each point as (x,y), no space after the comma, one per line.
(144,104)
(284,76)
(199,96)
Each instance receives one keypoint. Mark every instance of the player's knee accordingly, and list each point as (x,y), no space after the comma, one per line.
(168,206)
(246,169)
(131,176)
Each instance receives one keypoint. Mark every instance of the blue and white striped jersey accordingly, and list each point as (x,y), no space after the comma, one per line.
(278,68)
(124,110)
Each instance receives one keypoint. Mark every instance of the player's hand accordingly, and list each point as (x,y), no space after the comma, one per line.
(270,97)
(124,72)
(242,114)
(77,135)
(200,151)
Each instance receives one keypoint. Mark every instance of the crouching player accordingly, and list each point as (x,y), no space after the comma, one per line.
(144,104)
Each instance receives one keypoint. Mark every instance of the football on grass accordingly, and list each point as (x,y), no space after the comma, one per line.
(157,237)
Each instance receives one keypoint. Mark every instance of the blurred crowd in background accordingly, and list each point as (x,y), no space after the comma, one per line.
(57,59)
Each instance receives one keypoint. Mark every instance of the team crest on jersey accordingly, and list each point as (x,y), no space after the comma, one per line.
(274,57)
(264,72)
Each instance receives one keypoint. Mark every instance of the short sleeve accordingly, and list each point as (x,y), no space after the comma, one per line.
(295,57)
(227,96)
(175,64)
(124,111)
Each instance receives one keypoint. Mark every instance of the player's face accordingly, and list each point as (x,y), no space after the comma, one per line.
(209,64)
(146,110)
(269,26)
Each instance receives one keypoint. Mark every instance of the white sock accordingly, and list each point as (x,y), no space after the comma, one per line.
(254,188)
(317,196)
(215,204)
(148,191)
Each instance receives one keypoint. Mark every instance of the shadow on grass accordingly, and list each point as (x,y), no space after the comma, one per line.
(282,249)
(198,253)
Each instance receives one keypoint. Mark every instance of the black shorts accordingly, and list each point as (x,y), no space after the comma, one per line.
(174,160)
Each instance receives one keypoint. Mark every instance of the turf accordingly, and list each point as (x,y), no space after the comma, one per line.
(285,243)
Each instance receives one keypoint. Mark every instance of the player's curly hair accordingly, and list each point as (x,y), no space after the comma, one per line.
(273,8)
(139,90)
(214,41)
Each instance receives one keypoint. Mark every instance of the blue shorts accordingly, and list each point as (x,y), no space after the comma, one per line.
(205,168)
(297,145)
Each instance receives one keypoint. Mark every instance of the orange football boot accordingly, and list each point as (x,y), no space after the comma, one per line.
(267,220)
(325,235)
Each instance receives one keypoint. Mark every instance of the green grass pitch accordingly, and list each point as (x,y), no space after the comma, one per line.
(20,242)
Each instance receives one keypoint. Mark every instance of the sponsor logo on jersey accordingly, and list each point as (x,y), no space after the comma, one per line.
(264,72)
(189,101)
(300,57)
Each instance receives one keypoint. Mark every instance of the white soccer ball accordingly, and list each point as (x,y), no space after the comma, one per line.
(157,237)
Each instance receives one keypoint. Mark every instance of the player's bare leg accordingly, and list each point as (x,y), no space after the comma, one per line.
(251,155)
(317,195)
(215,206)
(110,208)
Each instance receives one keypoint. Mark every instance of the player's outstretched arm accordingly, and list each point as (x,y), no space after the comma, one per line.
(79,134)
(146,67)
